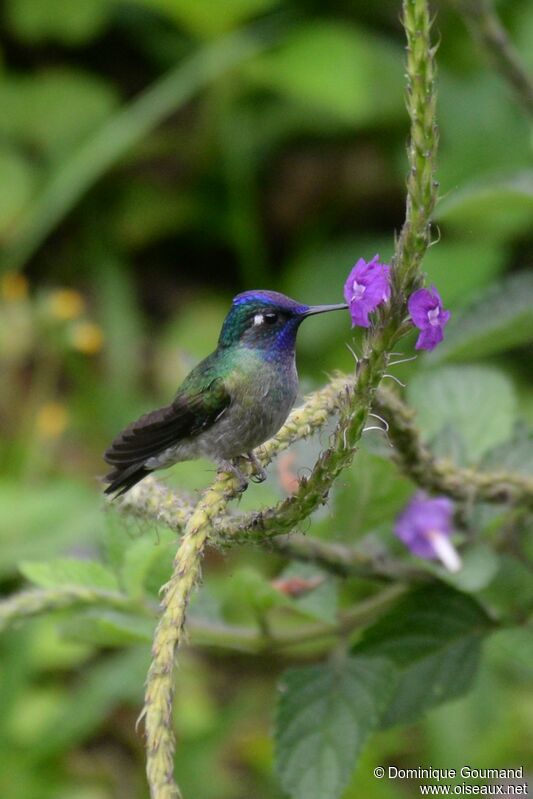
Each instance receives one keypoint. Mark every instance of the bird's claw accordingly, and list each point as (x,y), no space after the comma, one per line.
(227,466)
(259,474)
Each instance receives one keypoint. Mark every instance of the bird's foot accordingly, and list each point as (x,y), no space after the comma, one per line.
(259,475)
(228,466)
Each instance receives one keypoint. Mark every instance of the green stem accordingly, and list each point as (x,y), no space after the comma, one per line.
(36,602)
(486,27)
(442,476)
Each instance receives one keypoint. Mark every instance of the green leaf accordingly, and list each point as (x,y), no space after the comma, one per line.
(69,571)
(461,267)
(468,104)
(475,401)
(307,66)
(17,180)
(479,566)
(251,589)
(140,558)
(210,17)
(369,496)
(512,649)
(494,204)
(58,20)
(434,638)
(511,590)
(500,318)
(55,112)
(515,455)
(40,521)
(325,715)
(109,628)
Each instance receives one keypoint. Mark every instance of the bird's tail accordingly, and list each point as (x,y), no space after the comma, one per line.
(121,480)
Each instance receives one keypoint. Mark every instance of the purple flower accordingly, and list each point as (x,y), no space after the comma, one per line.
(425,527)
(427,313)
(368,285)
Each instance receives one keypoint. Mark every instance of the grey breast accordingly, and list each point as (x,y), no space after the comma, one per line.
(254,417)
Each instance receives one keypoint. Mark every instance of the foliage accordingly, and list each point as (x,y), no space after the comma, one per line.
(156,158)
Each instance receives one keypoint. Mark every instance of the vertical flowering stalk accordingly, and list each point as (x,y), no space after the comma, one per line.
(422,150)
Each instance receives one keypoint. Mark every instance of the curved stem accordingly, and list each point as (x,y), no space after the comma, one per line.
(159,694)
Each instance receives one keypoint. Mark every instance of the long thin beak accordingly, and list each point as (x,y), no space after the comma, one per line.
(314,309)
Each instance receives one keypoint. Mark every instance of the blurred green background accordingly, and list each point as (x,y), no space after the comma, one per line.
(126,226)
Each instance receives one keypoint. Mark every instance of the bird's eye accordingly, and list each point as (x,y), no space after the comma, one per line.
(271,318)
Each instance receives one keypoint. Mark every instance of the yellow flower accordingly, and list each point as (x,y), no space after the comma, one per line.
(13,286)
(87,338)
(52,419)
(65,304)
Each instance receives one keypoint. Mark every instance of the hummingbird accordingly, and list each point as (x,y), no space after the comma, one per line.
(230,403)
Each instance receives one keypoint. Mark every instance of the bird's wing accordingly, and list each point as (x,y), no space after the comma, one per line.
(185,417)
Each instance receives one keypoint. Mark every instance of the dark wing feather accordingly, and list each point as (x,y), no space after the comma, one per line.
(151,434)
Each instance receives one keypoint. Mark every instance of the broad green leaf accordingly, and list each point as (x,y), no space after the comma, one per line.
(368,496)
(511,590)
(209,17)
(69,571)
(434,638)
(501,204)
(140,558)
(475,401)
(470,104)
(40,521)
(251,590)
(515,455)
(109,628)
(17,180)
(479,565)
(325,714)
(512,650)
(56,111)
(499,319)
(307,66)
(58,20)
(461,267)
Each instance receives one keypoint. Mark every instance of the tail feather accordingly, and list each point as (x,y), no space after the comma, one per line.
(121,480)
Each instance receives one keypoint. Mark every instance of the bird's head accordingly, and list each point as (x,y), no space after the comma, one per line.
(267,320)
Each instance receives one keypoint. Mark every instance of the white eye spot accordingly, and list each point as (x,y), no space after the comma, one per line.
(258,319)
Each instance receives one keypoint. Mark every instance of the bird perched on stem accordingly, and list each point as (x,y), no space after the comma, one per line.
(234,400)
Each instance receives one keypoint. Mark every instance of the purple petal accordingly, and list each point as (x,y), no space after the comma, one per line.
(359,314)
(355,274)
(376,290)
(420,303)
(421,518)
(367,286)
(429,338)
